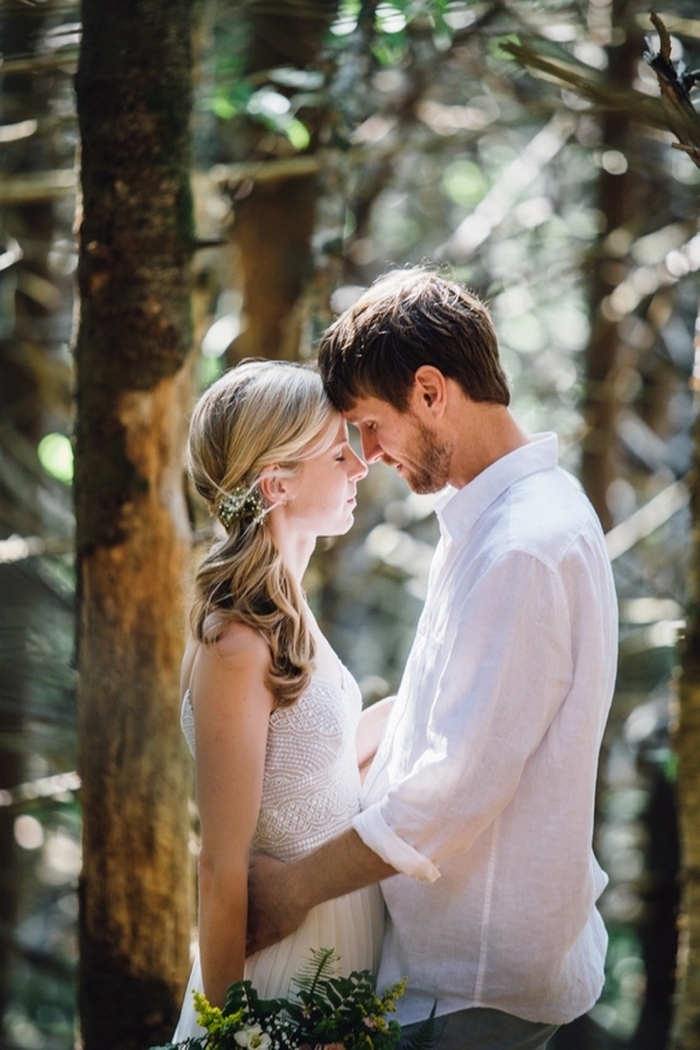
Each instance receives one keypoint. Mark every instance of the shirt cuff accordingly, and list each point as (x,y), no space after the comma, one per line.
(376,833)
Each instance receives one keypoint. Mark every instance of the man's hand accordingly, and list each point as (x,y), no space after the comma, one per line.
(272,911)
(281,895)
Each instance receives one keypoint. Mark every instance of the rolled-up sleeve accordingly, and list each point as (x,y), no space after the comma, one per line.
(383,840)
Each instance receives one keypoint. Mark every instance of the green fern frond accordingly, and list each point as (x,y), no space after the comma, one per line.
(320,967)
(242,996)
(424,1038)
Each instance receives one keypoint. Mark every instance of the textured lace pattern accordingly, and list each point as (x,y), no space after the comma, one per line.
(311,785)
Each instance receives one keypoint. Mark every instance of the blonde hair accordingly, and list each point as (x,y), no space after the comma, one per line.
(260,417)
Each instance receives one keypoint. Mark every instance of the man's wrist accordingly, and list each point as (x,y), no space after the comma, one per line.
(297,885)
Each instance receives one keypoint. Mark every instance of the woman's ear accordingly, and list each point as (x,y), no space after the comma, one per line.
(429,393)
(273,487)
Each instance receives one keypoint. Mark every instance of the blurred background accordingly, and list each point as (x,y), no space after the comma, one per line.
(330,142)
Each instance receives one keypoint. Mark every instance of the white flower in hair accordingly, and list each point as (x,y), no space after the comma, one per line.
(239,503)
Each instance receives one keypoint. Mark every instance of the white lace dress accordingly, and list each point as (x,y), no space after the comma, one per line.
(311,792)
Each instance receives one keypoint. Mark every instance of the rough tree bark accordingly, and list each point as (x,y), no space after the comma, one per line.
(134,88)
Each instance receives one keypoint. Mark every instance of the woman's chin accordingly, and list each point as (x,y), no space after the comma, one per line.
(343,527)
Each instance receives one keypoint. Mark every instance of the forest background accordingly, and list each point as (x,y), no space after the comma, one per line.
(183,184)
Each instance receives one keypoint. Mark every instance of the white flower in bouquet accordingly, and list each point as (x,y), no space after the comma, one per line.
(252,1037)
(327,1012)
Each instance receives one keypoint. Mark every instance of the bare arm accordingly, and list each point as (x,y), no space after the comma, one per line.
(231,708)
(280,895)
(371,730)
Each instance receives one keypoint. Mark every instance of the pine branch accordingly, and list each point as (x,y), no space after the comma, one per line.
(675,85)
(561,68)
(673,111)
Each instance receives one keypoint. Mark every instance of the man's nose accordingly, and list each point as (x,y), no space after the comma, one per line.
(371,449)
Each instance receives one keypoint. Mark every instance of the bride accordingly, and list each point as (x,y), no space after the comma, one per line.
(270,714)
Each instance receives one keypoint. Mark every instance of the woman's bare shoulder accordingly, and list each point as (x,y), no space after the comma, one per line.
(235,665)
(238,643)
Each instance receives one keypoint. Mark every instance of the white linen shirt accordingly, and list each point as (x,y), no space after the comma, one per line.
(482,792)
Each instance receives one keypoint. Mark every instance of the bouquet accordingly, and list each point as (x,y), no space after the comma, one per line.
(327,1011)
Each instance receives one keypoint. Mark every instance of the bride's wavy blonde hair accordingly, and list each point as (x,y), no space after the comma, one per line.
(262,417)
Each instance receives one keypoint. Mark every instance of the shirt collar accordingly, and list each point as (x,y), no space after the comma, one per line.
(458,509)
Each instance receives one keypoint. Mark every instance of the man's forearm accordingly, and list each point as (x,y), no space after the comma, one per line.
(338,867)
(280,895)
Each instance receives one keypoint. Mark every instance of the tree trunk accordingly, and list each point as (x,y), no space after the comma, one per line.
(684,122)
(275,218)
(620,198)
(272,232)
(686,1025)
(133,390)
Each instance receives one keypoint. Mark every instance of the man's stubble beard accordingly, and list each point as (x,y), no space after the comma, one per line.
(433,460)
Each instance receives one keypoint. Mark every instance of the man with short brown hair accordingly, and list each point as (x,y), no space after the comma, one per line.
(478,810)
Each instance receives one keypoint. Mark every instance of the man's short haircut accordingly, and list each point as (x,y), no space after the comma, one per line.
(406,319)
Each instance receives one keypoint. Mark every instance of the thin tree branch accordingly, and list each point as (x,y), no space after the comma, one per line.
(675,86)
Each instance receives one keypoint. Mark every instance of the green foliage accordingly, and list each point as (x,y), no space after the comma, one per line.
(269,108)
(327,1009)
(395,21)
(347,1010)
(229,101)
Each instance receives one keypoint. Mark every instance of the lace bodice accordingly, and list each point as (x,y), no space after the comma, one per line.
(311,784)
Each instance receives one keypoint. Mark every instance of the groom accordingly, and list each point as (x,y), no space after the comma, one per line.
(478,812)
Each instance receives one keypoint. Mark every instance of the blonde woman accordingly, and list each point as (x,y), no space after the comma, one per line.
(270,713)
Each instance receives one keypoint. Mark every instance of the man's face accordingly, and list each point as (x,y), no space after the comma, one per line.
(403,441)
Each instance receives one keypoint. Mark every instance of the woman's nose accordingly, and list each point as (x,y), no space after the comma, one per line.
(359,468)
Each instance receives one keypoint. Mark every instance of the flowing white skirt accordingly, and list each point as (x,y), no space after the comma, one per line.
(352,925)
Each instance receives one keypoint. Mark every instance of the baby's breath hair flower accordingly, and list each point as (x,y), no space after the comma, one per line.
(239,503)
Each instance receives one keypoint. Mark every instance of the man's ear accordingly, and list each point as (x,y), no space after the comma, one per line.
(273,487)
(429,393)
